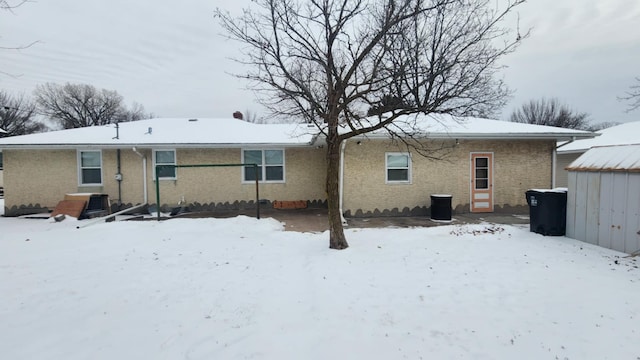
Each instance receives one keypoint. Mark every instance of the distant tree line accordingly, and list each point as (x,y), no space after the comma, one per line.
(551,112)
(64,106)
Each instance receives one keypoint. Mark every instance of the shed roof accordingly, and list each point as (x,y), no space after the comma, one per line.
(622,158)
(623,134)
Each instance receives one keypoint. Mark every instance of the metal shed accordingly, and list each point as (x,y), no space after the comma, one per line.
(603,199)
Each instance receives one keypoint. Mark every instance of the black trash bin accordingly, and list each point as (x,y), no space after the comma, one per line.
(547,211)
(441,207)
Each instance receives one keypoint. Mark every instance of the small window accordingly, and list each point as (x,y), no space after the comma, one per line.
(398,167)
(482,173)
(1,161)
(270,165)
(165,157)
(90,167)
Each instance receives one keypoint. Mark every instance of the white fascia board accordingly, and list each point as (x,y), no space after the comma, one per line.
(493,136)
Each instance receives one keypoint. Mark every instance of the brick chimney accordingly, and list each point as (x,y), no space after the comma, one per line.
(237,115)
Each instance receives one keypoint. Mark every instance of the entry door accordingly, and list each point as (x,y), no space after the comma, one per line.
(481,182)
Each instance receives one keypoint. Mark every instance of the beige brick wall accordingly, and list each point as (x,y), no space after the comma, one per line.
(304,175)
(40,178)
(43,176)
(518,166)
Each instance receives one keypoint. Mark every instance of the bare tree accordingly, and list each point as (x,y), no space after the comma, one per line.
(252,117)
(5,5)
(632,96)
(17,116)
(134,113)
(327,62)
(80,105)
(551,113)
(602,125)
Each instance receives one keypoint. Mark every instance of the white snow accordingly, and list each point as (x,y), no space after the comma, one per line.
(172,131)
(228,132)
(623,134)
(242,288)
(611,158)
(443,124)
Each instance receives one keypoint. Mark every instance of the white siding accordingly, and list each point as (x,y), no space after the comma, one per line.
(571,205)
(632,226)
(562,161)
(603,208)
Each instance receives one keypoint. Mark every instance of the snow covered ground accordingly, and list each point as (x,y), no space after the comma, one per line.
(242,288)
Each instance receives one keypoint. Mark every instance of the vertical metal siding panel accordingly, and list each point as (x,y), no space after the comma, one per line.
(593,207)
(618,211)
(606,206)
(632,223)
(571,205)
(582,187)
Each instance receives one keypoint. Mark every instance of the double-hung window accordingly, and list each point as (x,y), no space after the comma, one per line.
(270,165)
(398,168)
(90,167)
(165,157)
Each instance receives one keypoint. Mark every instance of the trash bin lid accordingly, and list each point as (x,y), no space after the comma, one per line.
(441,195)
(556,190)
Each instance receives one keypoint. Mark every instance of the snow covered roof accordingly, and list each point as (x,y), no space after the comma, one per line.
(169,132)
(225,133)
(451,127)
(625,158)
(623,134)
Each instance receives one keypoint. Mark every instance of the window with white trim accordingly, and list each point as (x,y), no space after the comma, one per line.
(89,167)
(270,165)
(165,157)
(398,168)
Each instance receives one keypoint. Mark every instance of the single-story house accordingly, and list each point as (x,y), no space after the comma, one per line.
(603,198)
(486,165)
(568,152)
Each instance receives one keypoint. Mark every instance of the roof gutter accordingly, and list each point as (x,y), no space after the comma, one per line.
(493,136)
(341,183)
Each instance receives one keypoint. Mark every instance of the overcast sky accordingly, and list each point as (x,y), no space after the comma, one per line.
(170,57)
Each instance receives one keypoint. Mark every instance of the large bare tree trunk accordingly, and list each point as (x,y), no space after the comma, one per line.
(337,240)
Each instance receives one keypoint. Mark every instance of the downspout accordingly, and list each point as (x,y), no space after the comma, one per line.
(341,181)
(554,160)
(119,178)
(144,174)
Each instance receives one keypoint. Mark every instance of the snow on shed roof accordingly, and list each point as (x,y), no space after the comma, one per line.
(623,158)
(452,127)
(170,132)
(623,134)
